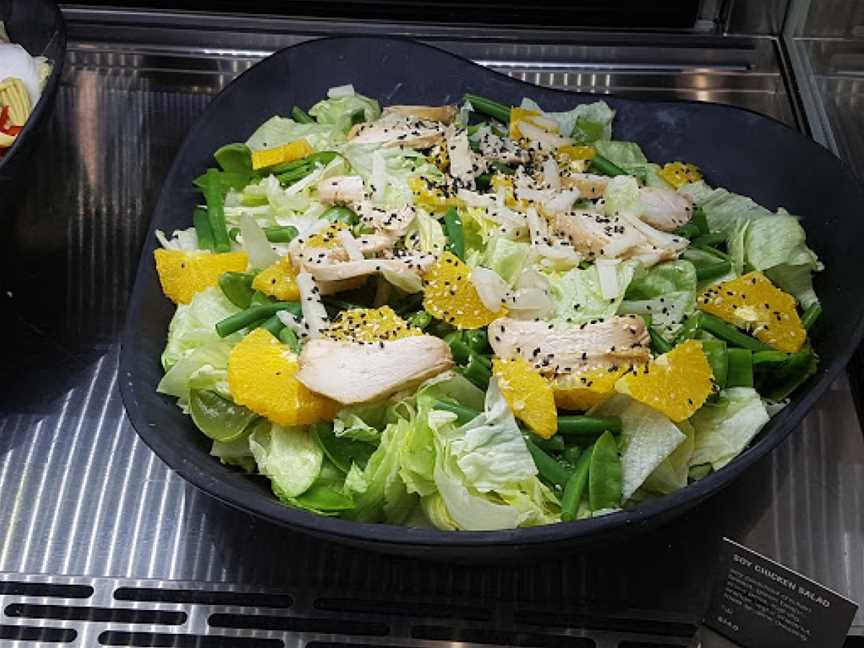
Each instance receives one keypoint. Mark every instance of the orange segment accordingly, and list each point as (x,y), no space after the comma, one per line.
(675,383)
(261,377)
(584,390)
(369,325)
(433,198)
(450,296)
(678,174)
(528,394)
(571,153)
(182,274)
(753,303)
(501,182)
(327,238)
(279,281)
(524,115)
(269,157)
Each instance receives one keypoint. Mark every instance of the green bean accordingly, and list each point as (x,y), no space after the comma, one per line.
(463,414)
(272,324)
(281,234)
(259,299)
(233,233)
(571,454)
(503,169)
(689,329)
(658,343)
(358,116)
(549,469)
(322,157)
(731,334)
(718,358)
(253,314)
(289,337)
(202,229)
(709,240)
(740,368)
(341,215)
(769,357)
(477,370)
(460,350)
(553,444)
(237,287)
(606,166)
(301,116)
(584,429)
(455,234)
(575,487)
(713,251)
(604,474)
(477,340)
(216,212)
(484,181)
(699,220)
(713,270)
(489,107)
(688,231)
(420,320)
(808,319)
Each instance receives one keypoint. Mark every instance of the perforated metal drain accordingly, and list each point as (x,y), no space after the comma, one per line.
(40,610)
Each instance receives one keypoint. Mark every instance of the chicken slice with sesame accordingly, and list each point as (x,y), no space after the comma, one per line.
(590,185)
(397,130)
(414,263)
(352,372)
(665,209)
(563,349)
(444,114)
(595,235)
(341,190)
(387,222)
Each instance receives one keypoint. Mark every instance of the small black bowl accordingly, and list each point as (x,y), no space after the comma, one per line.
(38,26)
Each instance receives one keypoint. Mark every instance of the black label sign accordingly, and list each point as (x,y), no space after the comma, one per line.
(758,603)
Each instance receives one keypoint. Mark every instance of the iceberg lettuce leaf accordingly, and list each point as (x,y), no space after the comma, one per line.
(726,427)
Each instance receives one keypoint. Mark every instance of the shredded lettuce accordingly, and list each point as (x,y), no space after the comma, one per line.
(725,428)
(666,292)
(627,155)
(277,131)
(672,473)
(648,438)
(598,112)
(338,111)
(578,297)
(194,324)
(289,456)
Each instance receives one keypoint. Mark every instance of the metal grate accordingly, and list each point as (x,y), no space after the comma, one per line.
(39,610)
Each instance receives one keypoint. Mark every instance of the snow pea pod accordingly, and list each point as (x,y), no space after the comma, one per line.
(549,469)
(202,229)
(575,486)
(254,314)
(604,474)
(301,116)
(489,107)
(237,287)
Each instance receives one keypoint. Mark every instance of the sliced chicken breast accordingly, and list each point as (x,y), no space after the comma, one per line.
(443,114)
(464,164)
(398,131)
(417,264)
(590,185)
(664,209)
(340,190)
(351,372)
(595,235)
(390,222)
(564,349)
(500,149)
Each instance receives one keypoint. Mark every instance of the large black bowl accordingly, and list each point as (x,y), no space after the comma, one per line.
(38,26)
(743,151)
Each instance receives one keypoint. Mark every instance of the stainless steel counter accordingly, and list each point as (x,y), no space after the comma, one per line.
(85,506)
